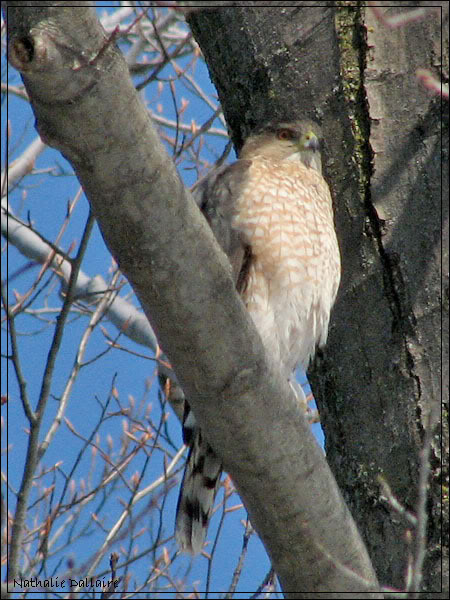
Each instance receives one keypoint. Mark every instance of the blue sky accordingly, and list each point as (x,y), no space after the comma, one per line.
(42,198)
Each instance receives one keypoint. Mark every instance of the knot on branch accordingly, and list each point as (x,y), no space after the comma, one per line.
(30,52)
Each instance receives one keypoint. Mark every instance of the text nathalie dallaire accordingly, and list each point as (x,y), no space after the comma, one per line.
(55,582)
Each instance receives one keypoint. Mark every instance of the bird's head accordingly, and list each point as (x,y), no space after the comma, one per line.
(297,140)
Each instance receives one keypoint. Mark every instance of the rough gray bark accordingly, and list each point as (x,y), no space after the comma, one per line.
(381,371)
(86,107)
(409,223)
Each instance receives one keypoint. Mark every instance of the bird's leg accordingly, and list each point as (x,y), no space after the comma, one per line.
(311,414)
(299,393)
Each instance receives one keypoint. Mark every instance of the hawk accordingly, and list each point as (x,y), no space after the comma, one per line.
(271,212)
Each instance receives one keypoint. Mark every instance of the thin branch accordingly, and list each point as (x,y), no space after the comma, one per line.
(238,570)
(200,131)
(124,315)
(95,319)
(23,165)
(430,82)
(15,358)
(52,257)
(420,538)
(137,498)
(168,58)
(403,18)
(16,90)
(394,502)
(185,127)
(87,443)
(33,449)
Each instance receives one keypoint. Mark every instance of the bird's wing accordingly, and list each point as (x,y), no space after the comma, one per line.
(216,197)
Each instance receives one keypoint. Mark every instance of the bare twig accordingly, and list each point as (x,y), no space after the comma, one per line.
(430,82)
(34,451)
(238,570)
(403,18)
(420,537)
(95,319)
(137,498)
(15,358)
(394,502)
(120,312)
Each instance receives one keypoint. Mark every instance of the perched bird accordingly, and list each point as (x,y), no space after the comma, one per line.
(271,212)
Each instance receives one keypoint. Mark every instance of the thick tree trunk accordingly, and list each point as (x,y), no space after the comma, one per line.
(380,375)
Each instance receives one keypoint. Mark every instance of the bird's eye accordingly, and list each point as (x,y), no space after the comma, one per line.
(284,134)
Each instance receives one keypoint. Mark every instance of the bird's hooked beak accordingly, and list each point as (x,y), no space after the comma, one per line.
(309,148)
(311,142)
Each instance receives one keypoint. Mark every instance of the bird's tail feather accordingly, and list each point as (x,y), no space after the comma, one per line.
(198,490)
